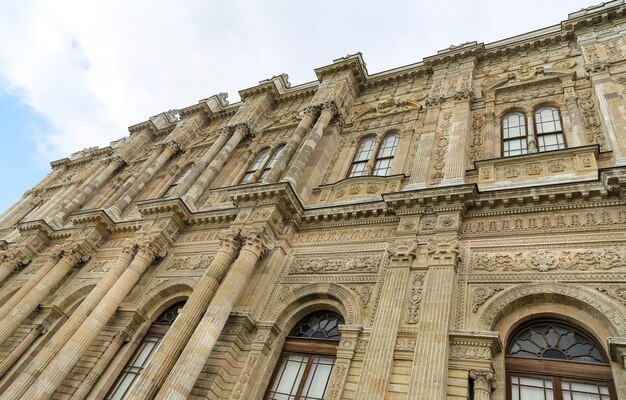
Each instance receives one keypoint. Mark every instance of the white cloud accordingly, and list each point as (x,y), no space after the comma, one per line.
(94,68)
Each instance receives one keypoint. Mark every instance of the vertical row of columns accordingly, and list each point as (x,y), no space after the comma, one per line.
(155,372)
(137,182)
(67,330)
(430,360)
(379,355)
(25,300)
(299,163)
(185,372)
(61,364)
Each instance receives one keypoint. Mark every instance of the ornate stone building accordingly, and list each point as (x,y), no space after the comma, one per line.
(451,229)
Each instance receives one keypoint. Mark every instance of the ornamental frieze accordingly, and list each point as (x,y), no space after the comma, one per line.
(345,235)
(200,261)
(323,265)
(550,260)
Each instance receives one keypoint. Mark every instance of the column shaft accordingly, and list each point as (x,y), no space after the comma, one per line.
(27,287)
(141,181)
(421,162)
(431,353)
(154,374)
(7,267)
(291,147)
(61,365)
(65,332)
(301,159)
(103,362)
(189,365)
(460,131)
(207,176)
(17,352)
(14,318)
(379,355)
(483,384)
(202,164)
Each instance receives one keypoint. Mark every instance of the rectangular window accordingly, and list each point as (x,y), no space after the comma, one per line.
(531,389)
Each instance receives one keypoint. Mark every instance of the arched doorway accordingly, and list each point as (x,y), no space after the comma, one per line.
(554,360)
(307,359)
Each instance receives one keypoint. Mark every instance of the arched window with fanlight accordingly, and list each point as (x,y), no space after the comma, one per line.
(514,135)
(145,350)
(258,163)
(181,176)
(548,129)
(386,152)
(308,357)
(553,360)
(362,157)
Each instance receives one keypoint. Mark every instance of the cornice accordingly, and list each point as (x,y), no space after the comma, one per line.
(38,225)
(352,62)
(277,193)
(200,108)
(155,208)
(146,125)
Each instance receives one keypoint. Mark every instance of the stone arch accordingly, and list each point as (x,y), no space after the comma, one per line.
(78,292)
(332,294)
(162,296)
(560,293)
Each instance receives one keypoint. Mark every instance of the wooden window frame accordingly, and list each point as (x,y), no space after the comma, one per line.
(537,134)
(391,157)
(525,137)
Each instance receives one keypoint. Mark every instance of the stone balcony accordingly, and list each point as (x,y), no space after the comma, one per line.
(538,169)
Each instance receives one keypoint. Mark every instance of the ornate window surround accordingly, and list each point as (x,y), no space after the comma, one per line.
(374,158)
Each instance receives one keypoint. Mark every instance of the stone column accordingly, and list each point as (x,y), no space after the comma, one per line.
(484,383)
(369,168)
(133,178)
(207,176)
(11,260)
(169,149)
(27,304)
(67,330)
(114,163)
(345,354)
(24,345)
(575,131)
(301,159)
(492,139)
(181,380)
(203,163)
(421,163)
(162,362)
(61,365)
(310,113)
(249,384)
(430,359)
(454,173)
(103,362)
(533,144)
(379,354)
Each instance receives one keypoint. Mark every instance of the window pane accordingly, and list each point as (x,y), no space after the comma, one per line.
(584,391)
(275,157)
(389,146)
(123,387)
(513,125)
(147,347)
(382,167)
(289,376)
(316,382)
(357,169)
(523,388)
(259,160)
(365,150)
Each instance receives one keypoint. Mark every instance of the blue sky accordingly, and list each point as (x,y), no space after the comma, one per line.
(76,74)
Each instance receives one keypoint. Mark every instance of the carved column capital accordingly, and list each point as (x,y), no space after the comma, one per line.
(173,145)
(444,248)
(256,239)
(121,337)
(403,250)
(483,380)
(116,160)
(312,110)
(229,240)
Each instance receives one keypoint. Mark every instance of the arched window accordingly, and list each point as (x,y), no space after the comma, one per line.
(548,129)
(258,162)
(385,155)
(514,135)
(270,164)
(308,358)
(362,157)
(181,176)
(551,360)
(146,349)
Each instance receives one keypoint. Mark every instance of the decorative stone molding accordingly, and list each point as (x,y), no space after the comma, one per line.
(441,148)
(474,345)
(550,260)
(494,309)
(482,294)
(443,248)
(403,249)
(361,188)
(616,292)
(566,165)
(591,119)
(476,145)
(415,298)
(324,265)
(195,262)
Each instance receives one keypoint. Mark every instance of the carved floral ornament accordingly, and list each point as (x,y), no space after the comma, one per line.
(385,107)
(548,260)
(325,265)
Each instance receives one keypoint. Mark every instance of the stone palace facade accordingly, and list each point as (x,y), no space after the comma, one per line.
(451,229)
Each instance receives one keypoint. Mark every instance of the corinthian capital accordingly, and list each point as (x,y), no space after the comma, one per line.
(173,145)
(483,380)
(116,159)
(403,249)
(332,107)
(443,248)
(256,239)
(312,110)
(229,240)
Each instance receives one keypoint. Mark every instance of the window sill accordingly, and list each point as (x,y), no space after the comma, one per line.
(568,165)
(360,187)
